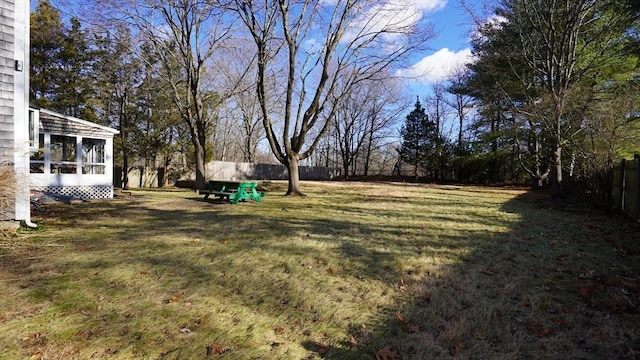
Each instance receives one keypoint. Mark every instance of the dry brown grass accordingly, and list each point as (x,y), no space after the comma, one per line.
(7,190)
(427,272)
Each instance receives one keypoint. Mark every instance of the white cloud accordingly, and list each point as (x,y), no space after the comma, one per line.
(493,22)
(392,16)
(428,5)
(437,66)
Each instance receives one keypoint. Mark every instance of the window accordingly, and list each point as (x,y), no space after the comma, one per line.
(34,139)
(37,157)
(93,159)
(64,154)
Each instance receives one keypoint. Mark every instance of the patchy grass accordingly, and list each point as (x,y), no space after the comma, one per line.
(350,272)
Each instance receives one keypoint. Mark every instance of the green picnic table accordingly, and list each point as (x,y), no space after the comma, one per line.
(233,191)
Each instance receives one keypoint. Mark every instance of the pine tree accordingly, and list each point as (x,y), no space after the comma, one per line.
(419,139)
(61,64)
(47,34)
(74,87)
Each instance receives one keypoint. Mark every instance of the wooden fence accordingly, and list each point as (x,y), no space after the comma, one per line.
(249,171)
(150,177)
(626,187)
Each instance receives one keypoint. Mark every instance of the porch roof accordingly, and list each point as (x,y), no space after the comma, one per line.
(56,122)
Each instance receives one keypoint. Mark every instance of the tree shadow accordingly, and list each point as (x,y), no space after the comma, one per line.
(528,279)
(563,281)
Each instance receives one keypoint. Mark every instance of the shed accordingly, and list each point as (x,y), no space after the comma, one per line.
(74,156)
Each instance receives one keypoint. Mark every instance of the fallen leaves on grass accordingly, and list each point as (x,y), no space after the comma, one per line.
(386,354)
(538,330)
(525,304)
(478,335)
(407,326)
(353,342)
(423,292)
(586,292)
(559,321)
(324,349)
(487,271)
(215,349)
(36,339)
(173,299)
(402,286)
(38,355)
(458,348)
(588,275)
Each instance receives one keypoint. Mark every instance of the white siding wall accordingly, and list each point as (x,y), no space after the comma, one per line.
(14,95)
(21,109)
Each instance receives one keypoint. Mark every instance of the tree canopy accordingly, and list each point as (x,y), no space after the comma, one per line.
(551,95)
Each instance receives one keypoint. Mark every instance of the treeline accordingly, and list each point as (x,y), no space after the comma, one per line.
(552,95)
(214,80)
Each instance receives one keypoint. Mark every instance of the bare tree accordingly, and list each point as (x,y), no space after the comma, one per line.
(350,124)
(461,102)
(185,34)
(363,121)
(383,115)
(436,106)
(243,106)
(321,51)
(119,74)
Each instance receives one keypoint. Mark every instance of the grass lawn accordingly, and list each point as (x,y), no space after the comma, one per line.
(353,271)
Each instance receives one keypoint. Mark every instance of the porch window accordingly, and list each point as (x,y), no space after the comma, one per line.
(34,136)
(93,159)
(64,154)
(37,157)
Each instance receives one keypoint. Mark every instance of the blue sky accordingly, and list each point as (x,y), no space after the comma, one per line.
(448,50)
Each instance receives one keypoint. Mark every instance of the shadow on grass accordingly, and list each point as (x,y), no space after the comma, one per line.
(479,278)
(562,282)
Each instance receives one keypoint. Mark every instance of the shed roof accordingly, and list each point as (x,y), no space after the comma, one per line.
(56,122)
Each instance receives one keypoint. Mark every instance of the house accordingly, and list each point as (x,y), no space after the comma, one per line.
(40,148)
(14,104)
(74,157)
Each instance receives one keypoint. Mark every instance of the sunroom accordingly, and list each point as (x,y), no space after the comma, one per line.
(71,157)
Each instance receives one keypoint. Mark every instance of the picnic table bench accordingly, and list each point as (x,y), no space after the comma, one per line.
(234,191)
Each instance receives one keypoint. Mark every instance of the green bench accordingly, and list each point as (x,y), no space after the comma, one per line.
(233,191)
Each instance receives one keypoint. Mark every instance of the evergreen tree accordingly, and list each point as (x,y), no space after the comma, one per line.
(419,139)
(61,64)
(118,72)
(47,34)
(74,83)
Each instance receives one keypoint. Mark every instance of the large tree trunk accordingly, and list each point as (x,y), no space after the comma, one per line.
(346,163)
(165,175)
(293,188)
(367,157)
(557,187)
(125,171)
(200,166)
